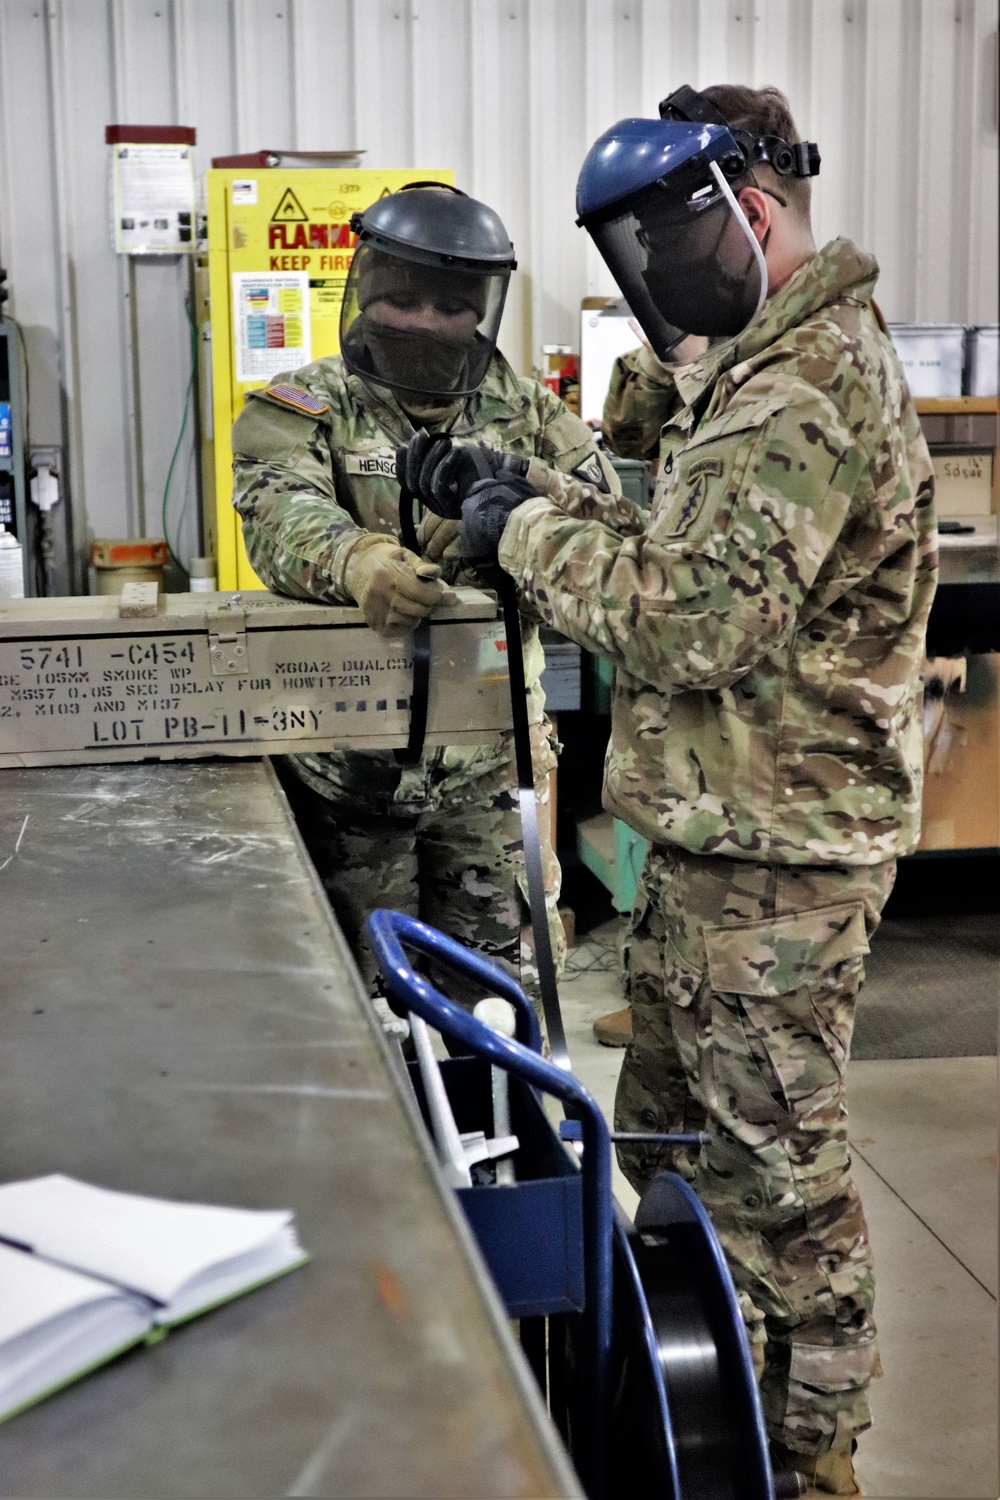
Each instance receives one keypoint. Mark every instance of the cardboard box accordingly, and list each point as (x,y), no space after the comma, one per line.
(963,483)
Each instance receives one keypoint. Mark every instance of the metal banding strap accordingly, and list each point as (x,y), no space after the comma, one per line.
(419,695)
(421,639)
(407,523)
(529,829)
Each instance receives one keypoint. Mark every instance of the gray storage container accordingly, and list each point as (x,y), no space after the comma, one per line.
(932,356)
(561,678)
(633,475)
(982,364)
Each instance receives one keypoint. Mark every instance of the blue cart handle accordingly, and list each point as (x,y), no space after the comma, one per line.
(387,932)
(387,928)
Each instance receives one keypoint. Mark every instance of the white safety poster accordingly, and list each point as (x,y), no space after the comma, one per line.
(153,199)
(270,323)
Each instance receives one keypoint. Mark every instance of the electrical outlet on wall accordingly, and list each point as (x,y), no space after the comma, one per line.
(44,467)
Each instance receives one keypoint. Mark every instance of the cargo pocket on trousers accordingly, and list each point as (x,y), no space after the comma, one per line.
(792,981)
(682,985)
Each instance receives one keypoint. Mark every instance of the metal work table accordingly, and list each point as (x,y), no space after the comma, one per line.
(181,1018)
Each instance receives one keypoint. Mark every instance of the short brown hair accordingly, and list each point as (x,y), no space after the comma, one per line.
(764,112)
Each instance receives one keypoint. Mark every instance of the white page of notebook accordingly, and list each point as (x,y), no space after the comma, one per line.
(32,1292)
(56,1324)
(149,1244)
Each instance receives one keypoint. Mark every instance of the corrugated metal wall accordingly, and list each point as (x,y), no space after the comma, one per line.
(900,94)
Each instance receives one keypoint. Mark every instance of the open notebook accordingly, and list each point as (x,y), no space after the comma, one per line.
(86,1272)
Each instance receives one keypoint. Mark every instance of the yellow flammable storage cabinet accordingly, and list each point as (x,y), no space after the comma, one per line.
(270,282)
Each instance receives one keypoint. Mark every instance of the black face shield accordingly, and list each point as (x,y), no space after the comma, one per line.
(425,293)
(425,331)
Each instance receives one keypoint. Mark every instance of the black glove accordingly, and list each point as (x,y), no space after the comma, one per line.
(485,513)
(421,453)
(441,472)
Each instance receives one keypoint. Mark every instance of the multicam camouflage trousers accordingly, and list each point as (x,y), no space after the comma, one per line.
(743,980)
(451,854)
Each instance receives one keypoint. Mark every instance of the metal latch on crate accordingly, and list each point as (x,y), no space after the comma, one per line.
(227,639)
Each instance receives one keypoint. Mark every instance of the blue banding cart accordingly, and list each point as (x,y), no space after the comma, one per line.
(633,1330)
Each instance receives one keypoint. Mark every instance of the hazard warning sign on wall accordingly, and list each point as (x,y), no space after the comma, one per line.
(289,210)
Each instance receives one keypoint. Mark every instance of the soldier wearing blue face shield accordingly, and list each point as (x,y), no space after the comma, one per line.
(766,620)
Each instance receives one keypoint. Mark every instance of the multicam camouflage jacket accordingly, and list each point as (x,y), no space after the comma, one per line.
(767,617)
(314,464)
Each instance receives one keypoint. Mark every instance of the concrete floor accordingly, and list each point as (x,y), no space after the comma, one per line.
(924,1134)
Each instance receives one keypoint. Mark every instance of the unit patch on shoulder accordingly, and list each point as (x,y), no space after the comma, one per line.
(291,395)
(590,471)
(710,467)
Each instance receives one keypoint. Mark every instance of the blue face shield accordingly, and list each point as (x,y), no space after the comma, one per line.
(678,245)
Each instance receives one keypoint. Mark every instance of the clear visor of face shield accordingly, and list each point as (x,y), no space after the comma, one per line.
(427,331)
(686,263)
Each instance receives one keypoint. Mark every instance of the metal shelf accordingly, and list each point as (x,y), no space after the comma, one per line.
(929,406)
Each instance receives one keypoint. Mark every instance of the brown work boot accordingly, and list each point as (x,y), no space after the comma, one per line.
(614,1030)
(825,1474)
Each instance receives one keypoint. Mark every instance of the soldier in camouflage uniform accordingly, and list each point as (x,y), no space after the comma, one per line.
(314,463)
(766,619)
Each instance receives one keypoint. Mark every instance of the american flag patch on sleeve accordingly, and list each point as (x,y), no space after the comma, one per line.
(291,395)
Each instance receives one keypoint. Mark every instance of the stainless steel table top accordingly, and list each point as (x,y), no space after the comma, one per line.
(180,1017)
(971,557)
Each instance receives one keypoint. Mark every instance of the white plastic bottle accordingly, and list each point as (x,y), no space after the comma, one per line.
(201,575)
(11,566)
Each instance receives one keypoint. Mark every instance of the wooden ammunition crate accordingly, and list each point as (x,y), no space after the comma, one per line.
(211,674)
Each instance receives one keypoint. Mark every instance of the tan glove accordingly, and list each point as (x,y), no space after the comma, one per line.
(393,588)
(440,540)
